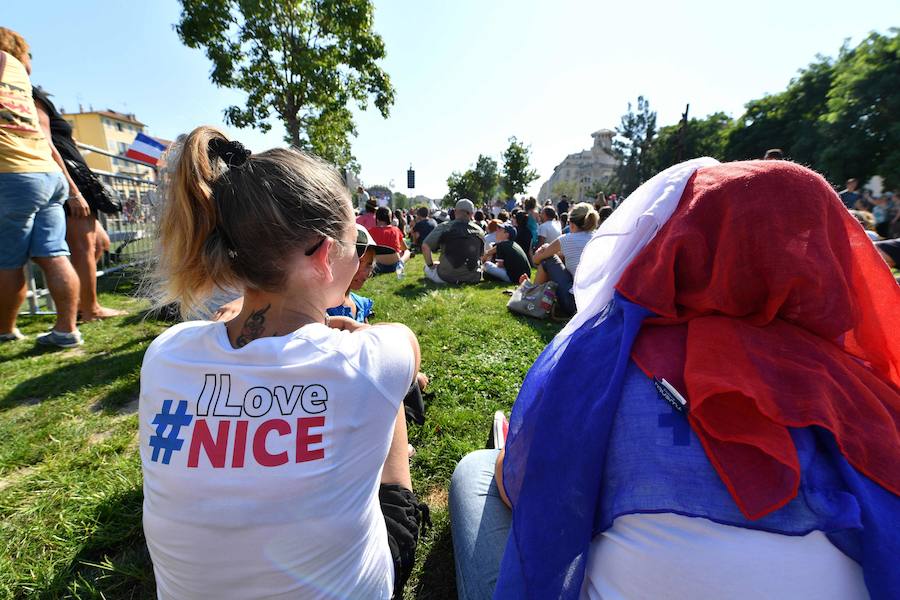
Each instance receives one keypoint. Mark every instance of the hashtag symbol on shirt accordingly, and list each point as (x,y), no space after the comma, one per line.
(173,422)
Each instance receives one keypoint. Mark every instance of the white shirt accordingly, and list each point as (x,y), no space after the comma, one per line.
(273,491)
(676,557)
(489,240)
(549,230)
(572,245)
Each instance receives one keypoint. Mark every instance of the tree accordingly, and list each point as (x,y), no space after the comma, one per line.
(306,60)
(635,136)
(691,139)
(861,123)
(461,185)
(786,120)
(485,177)
(400,200)
(517,175)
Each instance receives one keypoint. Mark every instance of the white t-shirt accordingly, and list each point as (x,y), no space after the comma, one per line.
(262,464)
(676,557)
(549,230)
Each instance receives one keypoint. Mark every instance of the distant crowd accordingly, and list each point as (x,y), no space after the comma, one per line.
(516,241)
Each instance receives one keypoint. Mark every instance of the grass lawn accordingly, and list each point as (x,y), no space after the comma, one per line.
(70,477)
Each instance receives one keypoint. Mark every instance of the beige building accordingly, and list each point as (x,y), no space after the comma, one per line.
(581,170)
(111,131)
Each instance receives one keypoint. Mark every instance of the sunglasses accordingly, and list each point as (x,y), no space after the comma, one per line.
(360,248)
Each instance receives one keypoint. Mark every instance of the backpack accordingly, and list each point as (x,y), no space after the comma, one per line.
(462,246)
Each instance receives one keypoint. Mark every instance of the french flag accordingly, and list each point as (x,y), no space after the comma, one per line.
(145,149)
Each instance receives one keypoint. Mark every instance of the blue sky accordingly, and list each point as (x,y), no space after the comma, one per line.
(468,73)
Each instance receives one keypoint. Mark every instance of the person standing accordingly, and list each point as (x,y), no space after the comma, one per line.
(86,237)
(33,188)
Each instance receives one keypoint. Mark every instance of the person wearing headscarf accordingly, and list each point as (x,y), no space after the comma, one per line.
(719,419)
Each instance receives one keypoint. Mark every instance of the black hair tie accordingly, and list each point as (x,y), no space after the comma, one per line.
(232,152)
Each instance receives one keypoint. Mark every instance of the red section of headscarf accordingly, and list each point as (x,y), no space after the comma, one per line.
(776,311)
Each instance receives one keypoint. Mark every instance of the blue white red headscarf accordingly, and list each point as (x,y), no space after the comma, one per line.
(765,304)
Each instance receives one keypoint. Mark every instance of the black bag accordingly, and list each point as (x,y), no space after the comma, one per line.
(462,246)
(98,195)
(406,519)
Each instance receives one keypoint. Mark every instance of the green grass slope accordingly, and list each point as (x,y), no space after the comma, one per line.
(70,478)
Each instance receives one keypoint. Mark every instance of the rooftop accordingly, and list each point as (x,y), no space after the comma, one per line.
(110,114)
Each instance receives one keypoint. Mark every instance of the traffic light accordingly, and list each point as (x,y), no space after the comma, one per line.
(410,178)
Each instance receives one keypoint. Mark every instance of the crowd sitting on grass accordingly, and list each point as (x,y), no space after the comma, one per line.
(661,446)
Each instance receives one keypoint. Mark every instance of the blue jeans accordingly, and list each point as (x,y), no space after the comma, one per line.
(492,269)
(32,221)
(480,523)
(558,273)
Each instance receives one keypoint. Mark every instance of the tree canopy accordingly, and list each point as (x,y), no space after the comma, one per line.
(304,60)
(635,136)
(517,174)
(839,116)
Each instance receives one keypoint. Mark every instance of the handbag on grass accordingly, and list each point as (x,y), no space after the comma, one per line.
(533,300)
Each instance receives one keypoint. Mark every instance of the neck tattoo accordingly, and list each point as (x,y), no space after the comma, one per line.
(253,327)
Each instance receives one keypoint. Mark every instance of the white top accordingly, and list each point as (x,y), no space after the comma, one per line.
(572,245)
(490,239)
(270,487)
(673,557)
(549,230)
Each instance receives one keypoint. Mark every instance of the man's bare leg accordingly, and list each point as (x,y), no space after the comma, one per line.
(12,284)
(62,282)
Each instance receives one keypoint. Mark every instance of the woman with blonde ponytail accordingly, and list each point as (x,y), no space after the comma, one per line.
(273,446)
(558,260)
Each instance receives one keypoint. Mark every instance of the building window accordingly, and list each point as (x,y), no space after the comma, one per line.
(119,126)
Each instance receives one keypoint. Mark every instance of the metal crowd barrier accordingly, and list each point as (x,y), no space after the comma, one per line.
(130,232)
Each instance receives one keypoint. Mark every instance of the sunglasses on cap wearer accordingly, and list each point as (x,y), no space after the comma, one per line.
(360,248)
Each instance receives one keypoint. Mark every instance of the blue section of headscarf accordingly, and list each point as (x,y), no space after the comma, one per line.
(590,439)
(363,308)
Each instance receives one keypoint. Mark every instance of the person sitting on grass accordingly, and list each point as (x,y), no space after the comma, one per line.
(461,243)
(388,236)
(423,226)
(511,262)
(273,447)
(559,260)
(719,420)
(490,238)
(359,308)
(549,228)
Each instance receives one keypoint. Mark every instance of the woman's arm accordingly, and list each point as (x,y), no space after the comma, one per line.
(548,250)
(77,205)
(491,251)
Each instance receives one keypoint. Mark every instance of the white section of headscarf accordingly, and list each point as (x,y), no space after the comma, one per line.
(622,236)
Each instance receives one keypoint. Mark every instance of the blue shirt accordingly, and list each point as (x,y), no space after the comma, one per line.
(363,308)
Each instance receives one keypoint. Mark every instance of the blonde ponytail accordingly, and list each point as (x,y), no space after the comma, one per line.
(230,227)
(190,258)
(584,216)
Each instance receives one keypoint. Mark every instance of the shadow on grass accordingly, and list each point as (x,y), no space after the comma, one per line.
(113,561)
(105,367)
(438,575)
(546,328)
